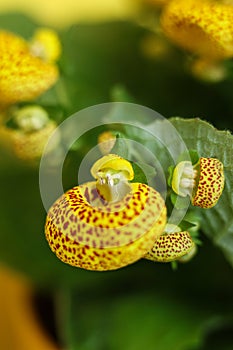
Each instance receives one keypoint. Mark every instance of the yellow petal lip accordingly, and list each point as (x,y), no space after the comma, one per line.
(83,233)
(170,247)
(115,163)
(203,27)
(210,184)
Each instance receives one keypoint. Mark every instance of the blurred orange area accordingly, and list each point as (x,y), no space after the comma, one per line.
(19,327)
(61,13)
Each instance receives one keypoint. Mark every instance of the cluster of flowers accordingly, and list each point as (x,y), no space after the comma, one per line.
(112,222)
(27,70)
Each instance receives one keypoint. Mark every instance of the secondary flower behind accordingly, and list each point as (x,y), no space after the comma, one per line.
(202,27)
(23,75)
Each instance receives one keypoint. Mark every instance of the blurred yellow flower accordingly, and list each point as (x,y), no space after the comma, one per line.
(28,140)
(106,141)
(23,77)
(208,71)
(65,13)
(46,44)
(203,27)
(20,327)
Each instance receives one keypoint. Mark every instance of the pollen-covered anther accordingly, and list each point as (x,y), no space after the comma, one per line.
(170,247)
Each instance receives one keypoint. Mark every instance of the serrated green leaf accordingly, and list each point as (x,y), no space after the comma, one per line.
(217,222)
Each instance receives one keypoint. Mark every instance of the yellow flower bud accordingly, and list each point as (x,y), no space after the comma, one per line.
(23,77)
(46,44)
(203,27)
(106,141)
(203,182)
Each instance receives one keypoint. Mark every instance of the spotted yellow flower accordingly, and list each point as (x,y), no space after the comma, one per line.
(86,230)
(202,27)
(203,182)
(23,77)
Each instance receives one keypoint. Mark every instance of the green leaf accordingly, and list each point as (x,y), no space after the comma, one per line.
(217,222)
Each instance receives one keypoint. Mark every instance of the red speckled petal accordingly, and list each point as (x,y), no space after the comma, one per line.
(85,232)
(170,247)
(211,183)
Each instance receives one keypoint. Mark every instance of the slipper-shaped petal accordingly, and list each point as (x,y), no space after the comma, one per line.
(170,247)
(84,231)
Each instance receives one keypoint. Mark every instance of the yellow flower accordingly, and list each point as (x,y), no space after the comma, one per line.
(203,27)
(27,142)
(23,77)
(85,230)
(46,44)
(203,182)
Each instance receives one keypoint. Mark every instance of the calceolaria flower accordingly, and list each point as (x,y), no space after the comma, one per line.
(30,134)
(171,246)
(23,76)
(203,182)
(99,226)
(202,27)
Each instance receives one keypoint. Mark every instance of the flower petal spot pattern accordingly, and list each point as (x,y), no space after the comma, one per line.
(169,247)
(87,233)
